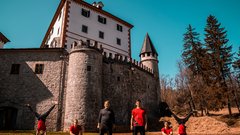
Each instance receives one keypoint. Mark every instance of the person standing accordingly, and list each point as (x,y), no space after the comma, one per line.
(138,119)
(76,129)
(41,126)
(106,119)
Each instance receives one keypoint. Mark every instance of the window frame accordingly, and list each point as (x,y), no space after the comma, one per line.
(119,27)
(118,41)
(15,69)
(101,34)
(84,29)
(102,19)
(85,13)
(39,68)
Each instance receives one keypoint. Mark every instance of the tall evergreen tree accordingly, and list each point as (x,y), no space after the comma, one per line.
(195,58)
(236,66)
(221,59)
(192,51)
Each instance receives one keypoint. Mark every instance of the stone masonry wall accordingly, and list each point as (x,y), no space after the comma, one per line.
(123,84)
(38,90)
(84,88)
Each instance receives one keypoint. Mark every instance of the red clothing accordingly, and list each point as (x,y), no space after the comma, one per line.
(138,117)
(41,125)
(166,130)
(182,129)
(75,130)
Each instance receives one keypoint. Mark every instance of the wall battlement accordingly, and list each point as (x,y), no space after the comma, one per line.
(128,61)
(81,44)
(111,58)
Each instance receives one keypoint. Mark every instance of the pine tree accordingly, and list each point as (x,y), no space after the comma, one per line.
(236,66)
(195,58)
(221,60)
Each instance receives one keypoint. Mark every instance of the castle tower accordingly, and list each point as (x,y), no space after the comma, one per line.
(84,86)
(3,40)
(77,20)
(149,55)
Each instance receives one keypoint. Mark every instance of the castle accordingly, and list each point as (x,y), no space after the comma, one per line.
(84,59)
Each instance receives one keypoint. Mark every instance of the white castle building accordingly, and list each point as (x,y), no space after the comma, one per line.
(78,20)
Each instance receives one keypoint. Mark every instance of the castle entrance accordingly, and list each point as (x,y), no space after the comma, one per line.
(8,117)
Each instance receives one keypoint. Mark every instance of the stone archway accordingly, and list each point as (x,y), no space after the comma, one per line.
(8,117)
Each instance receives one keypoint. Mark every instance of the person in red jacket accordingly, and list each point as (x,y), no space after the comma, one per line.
(166,130)
(181,122)
(76,129)
(41,127)
(138,119)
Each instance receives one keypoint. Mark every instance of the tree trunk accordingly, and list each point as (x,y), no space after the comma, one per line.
(201,110)
(229,107)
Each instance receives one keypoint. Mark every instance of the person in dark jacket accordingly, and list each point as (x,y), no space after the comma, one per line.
(106,119)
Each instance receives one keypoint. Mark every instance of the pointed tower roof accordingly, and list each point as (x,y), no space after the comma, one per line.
(3,38)
(148,46)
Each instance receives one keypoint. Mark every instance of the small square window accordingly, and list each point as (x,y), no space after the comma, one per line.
(102,19)
(84,29)
(15,69)
(85,13)
(119,27)
(89,68)
(118,41)
(39,68)
(101,34)
(118,78)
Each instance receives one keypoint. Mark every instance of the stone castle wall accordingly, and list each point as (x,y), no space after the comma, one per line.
(123,84)
(38,90)
(79,82)
(84,88)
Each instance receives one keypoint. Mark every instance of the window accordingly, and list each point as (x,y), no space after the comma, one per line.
(65,46)
(148,54)
(84,29)
(58,30)
(101,34)
(15,69)
(119,27)
(39,68)
(118,78)
(60,15)
(102,19)
(118,41)
(85,12)
(89,68)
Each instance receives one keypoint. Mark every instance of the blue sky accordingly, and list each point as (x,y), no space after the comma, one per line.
(25,23)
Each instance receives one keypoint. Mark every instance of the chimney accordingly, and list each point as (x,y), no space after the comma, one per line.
(94,4)
(3,40)
(100,5)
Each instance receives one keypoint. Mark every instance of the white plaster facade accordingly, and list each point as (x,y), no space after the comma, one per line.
(56,31)
(71,30)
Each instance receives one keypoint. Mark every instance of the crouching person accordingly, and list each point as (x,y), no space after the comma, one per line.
(76,129)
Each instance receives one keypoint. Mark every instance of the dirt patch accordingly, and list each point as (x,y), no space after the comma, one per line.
(218,123)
